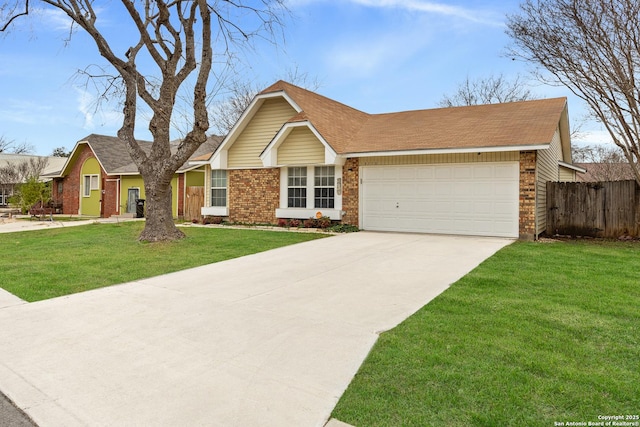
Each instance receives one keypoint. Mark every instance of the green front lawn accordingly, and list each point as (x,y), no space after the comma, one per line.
(538,334)
(37,265)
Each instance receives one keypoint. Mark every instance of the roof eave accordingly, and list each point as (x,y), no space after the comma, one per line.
(572,167)
(454,150)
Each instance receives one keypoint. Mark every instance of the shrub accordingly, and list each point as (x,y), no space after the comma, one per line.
(212,220)
(343,228)
(294,223)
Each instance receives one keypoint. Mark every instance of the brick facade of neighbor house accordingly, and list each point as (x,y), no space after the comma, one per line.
(71,183)
(181,195)
(350,190)
(110,203)
(527,224)
(254,195)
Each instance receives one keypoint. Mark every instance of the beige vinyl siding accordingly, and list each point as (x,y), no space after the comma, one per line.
(246,149)
(546,170)
(428,159)
(301,148)
(567,174)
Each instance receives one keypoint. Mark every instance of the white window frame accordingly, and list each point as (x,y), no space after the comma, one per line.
(94,184)
(309,211)
(216,210)
(214,187)
(329,185)
(298,179)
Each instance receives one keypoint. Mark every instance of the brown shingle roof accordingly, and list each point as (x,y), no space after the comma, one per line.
(337,123)
(348,130)
(113,155)
(481,126)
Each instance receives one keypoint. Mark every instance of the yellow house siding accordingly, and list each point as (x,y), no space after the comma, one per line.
(546,170)
(135,181)
(90,205)
(246,149)
(195,178)
(130,182)
(301,147)
(427,159)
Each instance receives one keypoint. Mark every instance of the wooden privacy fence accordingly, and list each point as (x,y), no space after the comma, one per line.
(596,209)
(195,201)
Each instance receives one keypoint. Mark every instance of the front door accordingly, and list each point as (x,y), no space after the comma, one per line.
(134,193)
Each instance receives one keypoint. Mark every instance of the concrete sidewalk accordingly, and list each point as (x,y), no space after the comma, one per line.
(17,225)
(271,339)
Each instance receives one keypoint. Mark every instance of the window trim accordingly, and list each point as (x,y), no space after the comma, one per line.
(225,188)
(309,211)
(302,176)
(93,185)
(330,199)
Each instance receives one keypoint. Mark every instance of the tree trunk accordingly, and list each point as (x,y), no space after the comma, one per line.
(159,225)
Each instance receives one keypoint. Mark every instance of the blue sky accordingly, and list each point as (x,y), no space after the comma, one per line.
(374,55)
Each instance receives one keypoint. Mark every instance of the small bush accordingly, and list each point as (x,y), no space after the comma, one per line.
(294,223)
(212,220)
(343,228)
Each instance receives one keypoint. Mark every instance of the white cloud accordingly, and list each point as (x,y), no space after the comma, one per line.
(467,14)
(52,18)
(94,115)
(26,112)
(592,137)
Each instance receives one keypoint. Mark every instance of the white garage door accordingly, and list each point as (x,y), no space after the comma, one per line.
(478,199)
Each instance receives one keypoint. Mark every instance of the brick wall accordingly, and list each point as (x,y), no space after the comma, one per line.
(350,190)
(527,195)
(181,194)
(71,182)
(110,202)
(254,195)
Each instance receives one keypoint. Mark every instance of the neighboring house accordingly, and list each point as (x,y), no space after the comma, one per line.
(101,179)
(606,171)
(477,170)
(53,165)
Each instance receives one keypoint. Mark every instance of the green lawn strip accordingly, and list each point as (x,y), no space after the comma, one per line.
(537,334)
(37,265)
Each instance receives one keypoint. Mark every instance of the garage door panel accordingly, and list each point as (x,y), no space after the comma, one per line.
(425,190)
(463,174)
(474,199)
(442,173)
(484,172)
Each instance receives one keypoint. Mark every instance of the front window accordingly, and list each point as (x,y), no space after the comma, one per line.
(324,189)
(297,187)
(91,182)
(219,188)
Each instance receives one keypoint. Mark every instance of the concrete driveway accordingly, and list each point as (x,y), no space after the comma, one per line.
(271,339)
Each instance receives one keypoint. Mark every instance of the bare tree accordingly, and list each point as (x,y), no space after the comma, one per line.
(603,162)
(488,90)
(593,48)
(178,37)
(13,174)
(10,146)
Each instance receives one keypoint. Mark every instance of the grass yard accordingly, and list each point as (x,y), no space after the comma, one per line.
(539,334)
(37,265)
